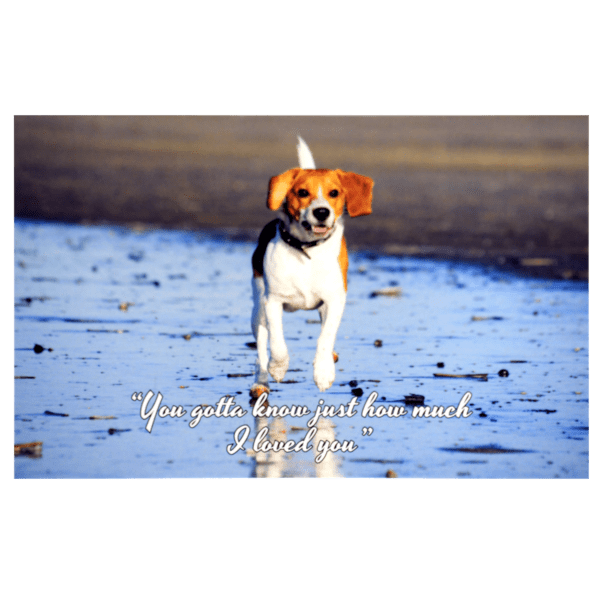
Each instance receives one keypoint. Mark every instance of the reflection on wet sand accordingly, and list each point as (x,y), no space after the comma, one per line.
(304,460)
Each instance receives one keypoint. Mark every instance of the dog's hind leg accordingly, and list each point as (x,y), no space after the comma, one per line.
(261,335)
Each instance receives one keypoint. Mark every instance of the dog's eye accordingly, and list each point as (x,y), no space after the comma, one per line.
(302,193)
(333,194)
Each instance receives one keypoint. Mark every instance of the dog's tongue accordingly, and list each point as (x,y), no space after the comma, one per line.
(317,229)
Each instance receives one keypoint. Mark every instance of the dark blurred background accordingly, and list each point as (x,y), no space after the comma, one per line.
(510,191)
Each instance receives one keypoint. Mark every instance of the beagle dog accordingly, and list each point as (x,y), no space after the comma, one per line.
(301,262)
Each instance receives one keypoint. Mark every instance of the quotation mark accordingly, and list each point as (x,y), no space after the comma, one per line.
(137,396)
(367,430)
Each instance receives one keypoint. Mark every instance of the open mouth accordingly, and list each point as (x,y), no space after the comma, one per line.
(318,230)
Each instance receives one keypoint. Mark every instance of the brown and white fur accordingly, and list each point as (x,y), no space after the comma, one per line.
(301,262)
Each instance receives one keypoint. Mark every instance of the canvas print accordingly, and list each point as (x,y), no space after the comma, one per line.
(359,297)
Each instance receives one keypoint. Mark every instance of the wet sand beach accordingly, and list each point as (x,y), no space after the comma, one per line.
(133,241)
(105,313)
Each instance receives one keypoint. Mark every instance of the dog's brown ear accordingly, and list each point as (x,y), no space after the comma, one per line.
(279,186)
(359,193)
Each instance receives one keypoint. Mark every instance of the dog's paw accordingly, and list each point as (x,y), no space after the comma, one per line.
(278,368)
(324,373)
(258,389)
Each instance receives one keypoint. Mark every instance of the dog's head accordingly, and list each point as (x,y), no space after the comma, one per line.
(314,199)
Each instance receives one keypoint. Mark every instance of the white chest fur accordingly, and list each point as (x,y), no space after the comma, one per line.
(300,282)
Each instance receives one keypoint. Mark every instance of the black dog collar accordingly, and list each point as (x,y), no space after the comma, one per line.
(290,240)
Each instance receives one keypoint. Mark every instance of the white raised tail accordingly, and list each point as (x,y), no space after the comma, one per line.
(305,157)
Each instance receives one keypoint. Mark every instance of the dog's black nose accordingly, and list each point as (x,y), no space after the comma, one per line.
(321,213)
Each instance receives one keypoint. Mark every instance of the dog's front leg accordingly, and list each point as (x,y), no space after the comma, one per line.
(324,366)
(280,360)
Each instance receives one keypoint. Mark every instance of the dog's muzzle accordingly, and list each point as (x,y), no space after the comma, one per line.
(318,218)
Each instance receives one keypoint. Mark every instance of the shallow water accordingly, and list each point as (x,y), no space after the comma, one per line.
(126,312)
